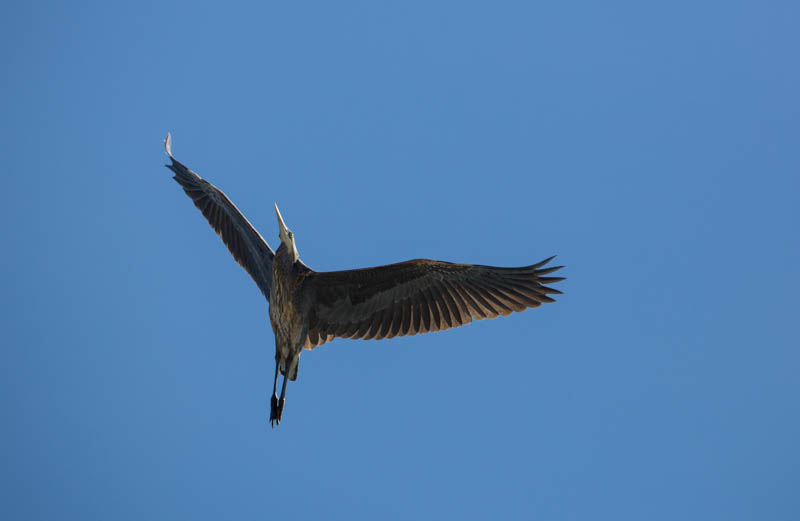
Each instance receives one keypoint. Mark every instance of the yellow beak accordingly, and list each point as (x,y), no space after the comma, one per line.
(280,220)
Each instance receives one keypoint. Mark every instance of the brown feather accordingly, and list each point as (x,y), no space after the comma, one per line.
(424,313)
(406,326)
(454,314)
(479,295)
(416,315)
(422,296)
(397,321)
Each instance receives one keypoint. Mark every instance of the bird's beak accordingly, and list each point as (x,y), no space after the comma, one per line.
(280,219)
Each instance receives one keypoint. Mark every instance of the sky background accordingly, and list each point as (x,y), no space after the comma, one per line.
(654,148)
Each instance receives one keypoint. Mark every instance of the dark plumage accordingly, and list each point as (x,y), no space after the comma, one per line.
(309,308)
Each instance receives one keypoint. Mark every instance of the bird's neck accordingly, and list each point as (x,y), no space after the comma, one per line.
(289,253)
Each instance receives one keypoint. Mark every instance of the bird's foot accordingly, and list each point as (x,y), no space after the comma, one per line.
(280,409)
(274,413)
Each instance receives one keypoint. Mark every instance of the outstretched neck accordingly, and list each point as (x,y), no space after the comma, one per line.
(288,253)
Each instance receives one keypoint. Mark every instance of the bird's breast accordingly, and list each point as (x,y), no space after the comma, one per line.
(285,315)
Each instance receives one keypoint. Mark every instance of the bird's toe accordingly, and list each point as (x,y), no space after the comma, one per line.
(274,412)
(280,409)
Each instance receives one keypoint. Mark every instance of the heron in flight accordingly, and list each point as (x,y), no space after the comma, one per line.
(308,308)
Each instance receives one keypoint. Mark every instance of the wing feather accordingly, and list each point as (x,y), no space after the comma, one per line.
(397,320)
(479,295)
(424,313)
(420,296)
(416,318)
(434,307)
(463,315)
(444,306)
(351,330)
(244,242)
(473,309)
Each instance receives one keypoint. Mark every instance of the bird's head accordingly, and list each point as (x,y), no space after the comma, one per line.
(286,235)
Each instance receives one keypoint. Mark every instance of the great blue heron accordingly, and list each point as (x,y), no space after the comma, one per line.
(308,308)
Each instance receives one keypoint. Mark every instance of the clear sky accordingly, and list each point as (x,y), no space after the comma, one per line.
(654,148)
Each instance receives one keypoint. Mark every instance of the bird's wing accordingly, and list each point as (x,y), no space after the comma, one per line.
(246,245)
(419,296)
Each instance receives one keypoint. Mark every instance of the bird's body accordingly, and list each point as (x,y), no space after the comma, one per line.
(288,311)
(309,308)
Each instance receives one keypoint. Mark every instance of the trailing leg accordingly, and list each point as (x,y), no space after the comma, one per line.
(289,369)
(274,414)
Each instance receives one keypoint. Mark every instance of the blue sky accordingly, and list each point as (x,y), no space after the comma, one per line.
(654,148)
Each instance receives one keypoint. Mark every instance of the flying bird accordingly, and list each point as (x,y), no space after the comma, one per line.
(308,308)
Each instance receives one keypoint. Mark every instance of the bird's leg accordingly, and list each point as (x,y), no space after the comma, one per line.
(273,405)
(282,401)
(288,370)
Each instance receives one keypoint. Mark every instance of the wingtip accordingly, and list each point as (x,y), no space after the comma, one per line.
(168,145)
(543,262)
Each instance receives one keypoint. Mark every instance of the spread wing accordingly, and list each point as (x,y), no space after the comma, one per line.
(246,245)
(419,296)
